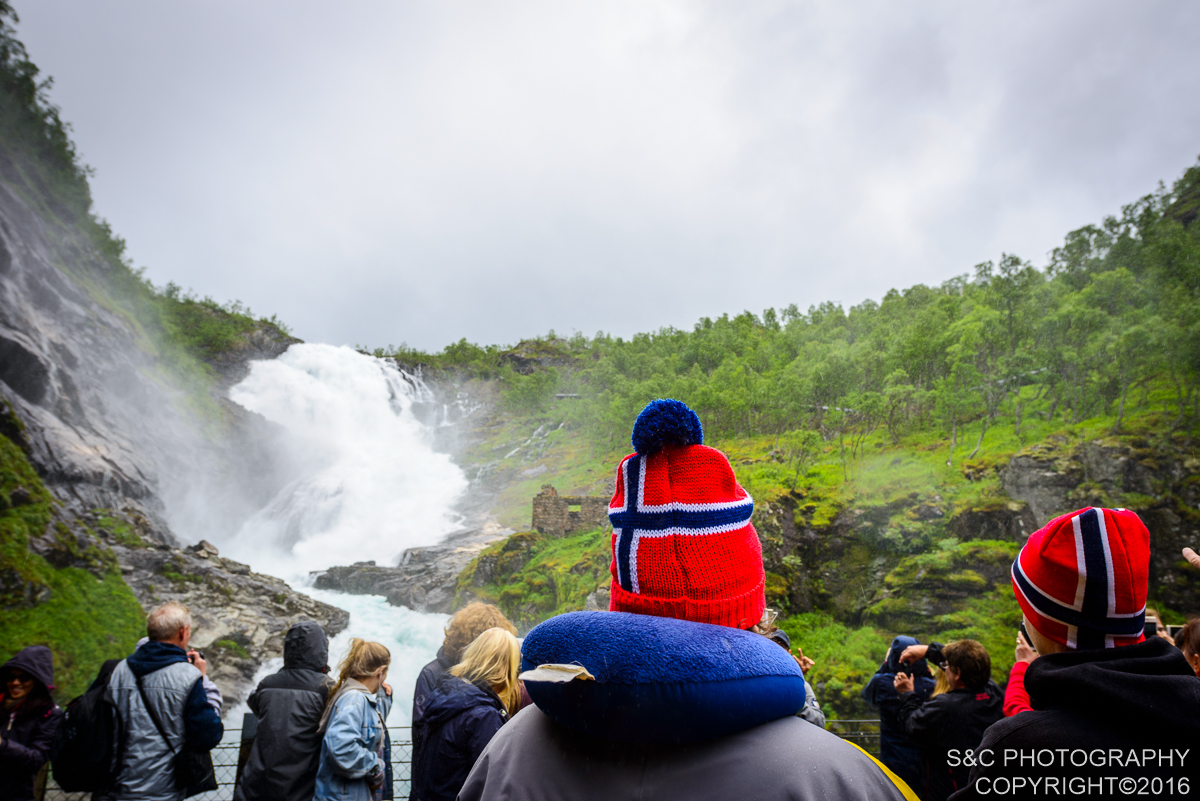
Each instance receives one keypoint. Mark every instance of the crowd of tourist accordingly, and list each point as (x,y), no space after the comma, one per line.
(1097,698)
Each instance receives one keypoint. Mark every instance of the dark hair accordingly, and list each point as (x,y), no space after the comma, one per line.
(1188,638)
(972,662)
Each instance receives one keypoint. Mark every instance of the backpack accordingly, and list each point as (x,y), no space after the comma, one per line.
(85,753)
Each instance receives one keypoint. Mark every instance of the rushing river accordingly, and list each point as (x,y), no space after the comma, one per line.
(368,485)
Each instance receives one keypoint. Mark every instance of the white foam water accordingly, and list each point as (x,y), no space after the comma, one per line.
(370,483)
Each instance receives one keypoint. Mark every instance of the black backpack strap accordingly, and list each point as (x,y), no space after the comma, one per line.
(153,714)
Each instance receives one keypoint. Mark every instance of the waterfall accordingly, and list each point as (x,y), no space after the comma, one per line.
(367,484)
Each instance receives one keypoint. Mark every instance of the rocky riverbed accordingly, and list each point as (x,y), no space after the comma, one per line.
(240,616)
(426,578)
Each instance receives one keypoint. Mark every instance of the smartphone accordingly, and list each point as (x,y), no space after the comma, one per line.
(1174,630)
(1151,629)
(1025,634)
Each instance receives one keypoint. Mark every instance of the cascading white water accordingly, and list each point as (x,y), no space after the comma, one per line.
(369,485)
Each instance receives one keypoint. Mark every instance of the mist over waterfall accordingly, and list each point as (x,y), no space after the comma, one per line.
(367,484)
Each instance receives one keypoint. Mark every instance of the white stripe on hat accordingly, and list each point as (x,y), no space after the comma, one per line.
(1080,567)
(1108,564)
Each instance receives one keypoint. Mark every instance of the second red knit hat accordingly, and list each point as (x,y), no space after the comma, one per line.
(1081,579)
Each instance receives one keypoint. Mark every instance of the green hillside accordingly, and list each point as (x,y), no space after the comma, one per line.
(877,440)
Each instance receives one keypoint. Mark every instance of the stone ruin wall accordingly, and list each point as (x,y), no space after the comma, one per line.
(556,515)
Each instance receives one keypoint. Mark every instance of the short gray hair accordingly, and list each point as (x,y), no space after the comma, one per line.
(166,621)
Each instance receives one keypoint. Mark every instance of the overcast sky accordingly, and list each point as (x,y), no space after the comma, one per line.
(378,172)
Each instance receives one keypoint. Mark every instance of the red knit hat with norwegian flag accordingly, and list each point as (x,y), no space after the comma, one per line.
(682,541)
(1081,580)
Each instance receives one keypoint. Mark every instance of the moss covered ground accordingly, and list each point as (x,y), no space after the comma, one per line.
(532,577)
(81,608)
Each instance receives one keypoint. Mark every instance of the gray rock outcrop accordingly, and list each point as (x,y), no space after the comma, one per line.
(426,579)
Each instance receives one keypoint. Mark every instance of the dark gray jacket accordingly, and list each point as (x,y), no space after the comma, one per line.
(533,758)
(287,748)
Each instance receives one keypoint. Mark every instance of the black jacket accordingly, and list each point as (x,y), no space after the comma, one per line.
(431,674)
(1136,698)
(287,747)
(945,727)
(28,728)
(460,719)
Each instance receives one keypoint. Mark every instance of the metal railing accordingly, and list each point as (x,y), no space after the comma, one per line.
(864,733)
(225,759)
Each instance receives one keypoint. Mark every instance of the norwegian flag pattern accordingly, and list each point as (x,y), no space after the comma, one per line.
(635,520)
(1091,617)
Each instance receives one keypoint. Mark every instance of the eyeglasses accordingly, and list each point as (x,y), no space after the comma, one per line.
(20,678)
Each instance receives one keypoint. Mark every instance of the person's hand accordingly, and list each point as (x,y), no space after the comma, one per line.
(805,662)
(903,683)
(387,688)
(1025,652)
(913,653)
(1192,557)
(1166,635)
(197,659)
(375,780)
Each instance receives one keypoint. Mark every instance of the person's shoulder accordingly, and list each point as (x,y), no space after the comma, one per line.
(186,672)
(1029,728)
(295,679)
(352,702)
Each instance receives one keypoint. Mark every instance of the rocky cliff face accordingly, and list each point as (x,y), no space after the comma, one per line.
(862,567)
(1157,479)
(110,415)
(124,429)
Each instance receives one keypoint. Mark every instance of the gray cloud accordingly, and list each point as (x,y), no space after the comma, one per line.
(424,172)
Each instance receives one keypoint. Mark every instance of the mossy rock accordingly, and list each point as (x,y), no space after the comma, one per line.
(80,607)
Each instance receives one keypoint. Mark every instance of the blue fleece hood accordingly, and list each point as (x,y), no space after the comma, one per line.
(892,664)
(154,656)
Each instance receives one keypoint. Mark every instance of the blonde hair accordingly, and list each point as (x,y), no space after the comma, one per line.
(941,683)
(468,623)
(494,659)
(167,620)
(364,659)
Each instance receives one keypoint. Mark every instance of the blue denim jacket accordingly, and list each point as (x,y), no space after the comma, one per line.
(349,752)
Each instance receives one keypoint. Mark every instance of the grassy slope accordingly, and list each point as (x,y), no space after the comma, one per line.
(84,615)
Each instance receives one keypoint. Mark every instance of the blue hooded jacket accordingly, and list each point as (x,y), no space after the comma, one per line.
(895,750)
(460,720)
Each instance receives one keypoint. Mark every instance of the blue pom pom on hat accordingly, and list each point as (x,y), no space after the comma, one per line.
(665,422)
